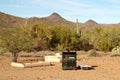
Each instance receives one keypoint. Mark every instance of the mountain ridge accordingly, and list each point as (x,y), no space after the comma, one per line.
(7,20)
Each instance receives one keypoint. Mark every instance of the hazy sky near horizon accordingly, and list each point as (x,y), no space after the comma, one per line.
(101,11)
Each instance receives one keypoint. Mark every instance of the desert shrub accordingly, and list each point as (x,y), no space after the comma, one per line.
(103,38)
(110,38)
(104,44)
(41,35)
(92,52)
(59,37)
(64,38)
(16,40)
(2,50)
(116,50)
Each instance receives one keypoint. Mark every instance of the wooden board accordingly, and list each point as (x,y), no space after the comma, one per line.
(35,64)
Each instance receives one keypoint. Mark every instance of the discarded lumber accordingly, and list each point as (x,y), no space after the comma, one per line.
(37,64)
(14,64)
(26,65)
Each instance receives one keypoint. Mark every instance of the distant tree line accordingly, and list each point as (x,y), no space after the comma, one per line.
(40,37)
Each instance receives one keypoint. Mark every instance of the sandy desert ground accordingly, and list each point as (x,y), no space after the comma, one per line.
(106,68)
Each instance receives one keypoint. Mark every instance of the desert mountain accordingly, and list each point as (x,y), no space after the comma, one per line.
(7,20)
(52,20)
(90,24)
(56,19)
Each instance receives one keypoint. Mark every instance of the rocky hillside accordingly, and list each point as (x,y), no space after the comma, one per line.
(7,20)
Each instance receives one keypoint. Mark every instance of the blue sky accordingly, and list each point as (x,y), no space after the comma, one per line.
(102,11)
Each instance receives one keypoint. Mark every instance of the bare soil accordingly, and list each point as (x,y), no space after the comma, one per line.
(105,68)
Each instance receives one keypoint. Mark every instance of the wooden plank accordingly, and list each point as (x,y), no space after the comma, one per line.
(14,64)
(37,64)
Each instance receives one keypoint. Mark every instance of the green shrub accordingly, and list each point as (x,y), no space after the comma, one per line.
(103,39)
(16,40)
(2,50)
(64,38)
(42,36)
